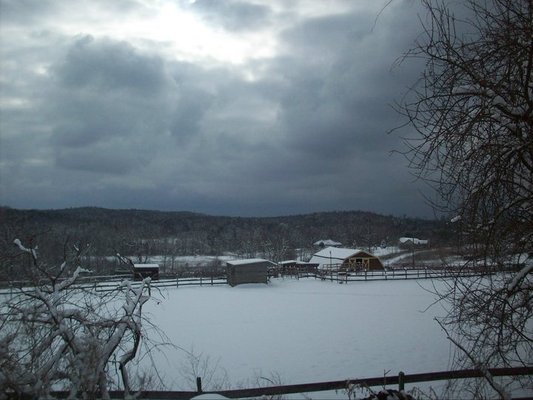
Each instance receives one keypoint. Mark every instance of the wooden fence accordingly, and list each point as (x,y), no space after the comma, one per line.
(211,277)
(339,274)
(391,274)
(110,283)
(401,379)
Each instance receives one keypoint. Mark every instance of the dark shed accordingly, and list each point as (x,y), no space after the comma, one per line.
(253,270)
(141,271)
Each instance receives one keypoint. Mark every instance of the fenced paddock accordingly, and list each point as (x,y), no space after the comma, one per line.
(344,319)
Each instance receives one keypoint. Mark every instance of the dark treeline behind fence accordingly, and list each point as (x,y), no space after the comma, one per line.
(347,384)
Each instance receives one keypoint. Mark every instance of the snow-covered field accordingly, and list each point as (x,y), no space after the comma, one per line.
(300,330)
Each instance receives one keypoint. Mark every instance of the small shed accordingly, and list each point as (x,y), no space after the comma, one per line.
(252,270)
(141,271)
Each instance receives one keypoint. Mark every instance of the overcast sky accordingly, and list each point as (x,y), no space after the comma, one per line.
(226,107)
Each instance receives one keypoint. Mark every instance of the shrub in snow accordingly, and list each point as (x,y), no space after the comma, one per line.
(61,335)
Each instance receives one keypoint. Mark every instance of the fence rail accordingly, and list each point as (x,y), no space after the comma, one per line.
(399,380)
(391,274)
(342,275)
(110,283)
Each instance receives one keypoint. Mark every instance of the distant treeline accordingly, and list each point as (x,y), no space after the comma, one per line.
(143,233)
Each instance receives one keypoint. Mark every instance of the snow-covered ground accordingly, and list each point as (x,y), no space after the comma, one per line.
(301,330)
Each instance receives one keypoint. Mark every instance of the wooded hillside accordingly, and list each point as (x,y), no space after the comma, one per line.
(145,232)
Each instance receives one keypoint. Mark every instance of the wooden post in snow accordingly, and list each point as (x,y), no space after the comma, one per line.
(199,384)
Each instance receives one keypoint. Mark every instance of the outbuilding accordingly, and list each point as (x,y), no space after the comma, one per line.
(252,270)
(408,242)
(141,271)
(351,259)
(327,243)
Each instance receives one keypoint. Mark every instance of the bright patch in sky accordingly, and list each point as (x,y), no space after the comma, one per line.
(174,29)
(190,39)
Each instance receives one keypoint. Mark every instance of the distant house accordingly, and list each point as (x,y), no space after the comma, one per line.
(327,243)
(253,270)
(335,257)
(409,241)
(141,271)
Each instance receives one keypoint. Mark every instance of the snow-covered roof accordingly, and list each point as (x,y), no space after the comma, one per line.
(248,261)
(151,266)
(288,262)
(327,242)
(334,255)
(298,262)
(413,240)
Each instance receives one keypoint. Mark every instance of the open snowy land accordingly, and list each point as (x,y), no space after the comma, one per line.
(299,331)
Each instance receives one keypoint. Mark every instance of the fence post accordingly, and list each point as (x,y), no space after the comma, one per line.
(401,381)
(199,384)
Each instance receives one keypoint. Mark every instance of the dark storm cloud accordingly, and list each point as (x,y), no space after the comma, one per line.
(233,15)
(187,119)
(110,66)
(109,104)
(122,106)
(325,36)
(336,112)
(101,160)
(341,105)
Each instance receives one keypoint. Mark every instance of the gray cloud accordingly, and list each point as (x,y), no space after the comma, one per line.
(233,15)
(110,66)
(15,12)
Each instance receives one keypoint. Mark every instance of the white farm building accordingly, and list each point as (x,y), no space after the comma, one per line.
(334,257)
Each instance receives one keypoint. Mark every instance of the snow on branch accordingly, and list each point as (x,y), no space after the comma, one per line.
(519,277)
(30,251)
(65,336)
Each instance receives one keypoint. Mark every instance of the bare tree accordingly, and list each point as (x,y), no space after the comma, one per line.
(472,114)
(58,333)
